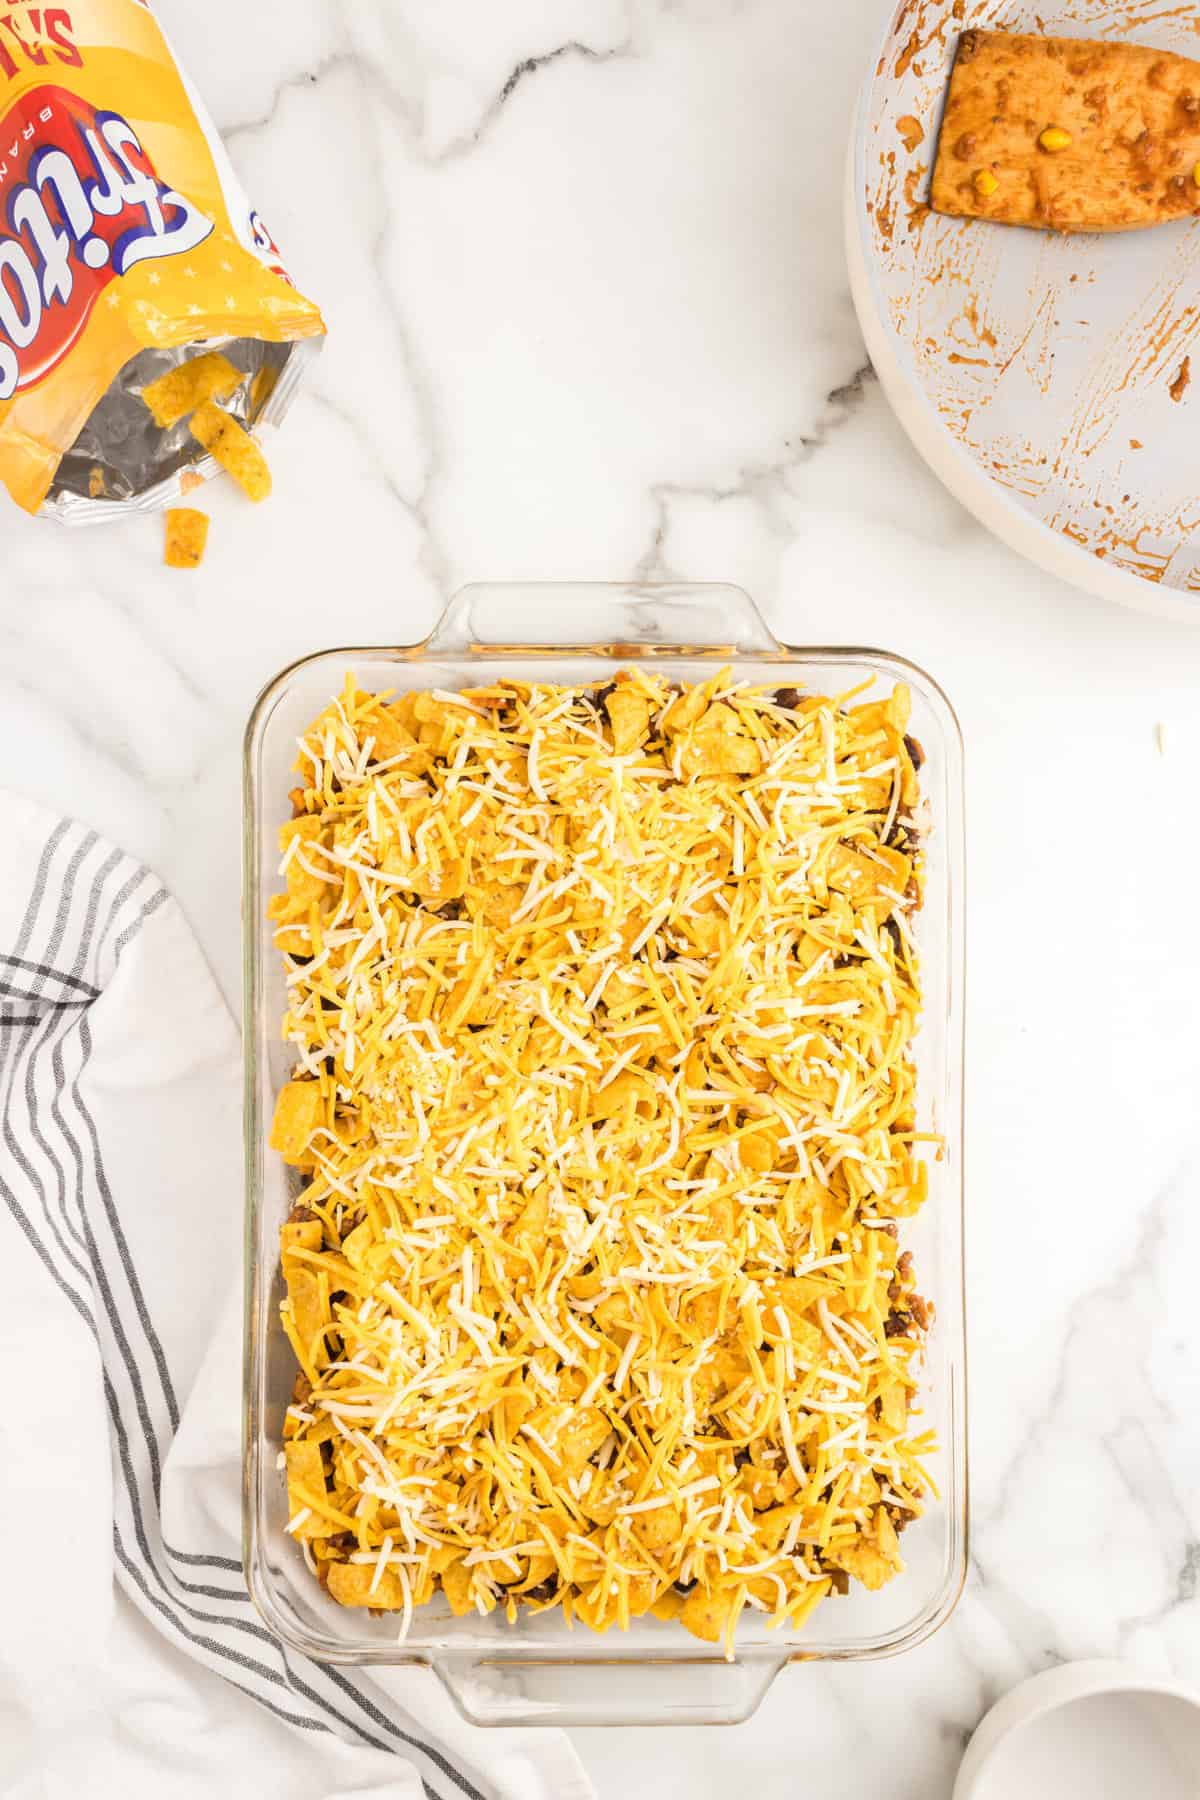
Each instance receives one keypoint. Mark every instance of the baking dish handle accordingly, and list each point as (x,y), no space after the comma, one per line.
(607,617)
(508,1690)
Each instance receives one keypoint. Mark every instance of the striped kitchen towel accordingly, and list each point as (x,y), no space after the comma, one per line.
(120,1339)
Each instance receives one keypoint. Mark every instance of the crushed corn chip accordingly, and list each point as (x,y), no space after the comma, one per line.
(603,1003)
(233,448)
(187,534)
(298,1111)
(181,390)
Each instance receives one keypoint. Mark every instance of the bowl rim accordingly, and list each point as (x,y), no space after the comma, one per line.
(1050,1691)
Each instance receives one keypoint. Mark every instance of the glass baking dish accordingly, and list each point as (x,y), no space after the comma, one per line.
(539,1670)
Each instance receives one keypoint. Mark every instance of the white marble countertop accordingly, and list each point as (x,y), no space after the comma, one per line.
(588,316)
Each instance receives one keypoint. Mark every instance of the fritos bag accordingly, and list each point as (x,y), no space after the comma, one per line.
(126,245)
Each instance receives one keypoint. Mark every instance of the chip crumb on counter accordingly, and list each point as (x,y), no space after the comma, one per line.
(233,448)
(186,537)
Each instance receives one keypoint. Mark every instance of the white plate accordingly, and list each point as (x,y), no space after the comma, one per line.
(1033,371)
(1087,1731)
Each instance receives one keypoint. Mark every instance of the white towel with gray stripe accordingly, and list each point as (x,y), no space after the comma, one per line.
(120,1338)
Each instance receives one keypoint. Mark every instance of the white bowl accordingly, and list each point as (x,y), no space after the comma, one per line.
(1033,371)
(1087,1731)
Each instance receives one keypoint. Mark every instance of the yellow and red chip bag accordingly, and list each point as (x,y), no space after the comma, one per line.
(126,247)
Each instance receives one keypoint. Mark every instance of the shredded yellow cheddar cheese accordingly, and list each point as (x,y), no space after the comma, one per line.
(603,1002)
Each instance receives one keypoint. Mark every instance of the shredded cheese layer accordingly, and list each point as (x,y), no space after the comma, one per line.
(603,1002)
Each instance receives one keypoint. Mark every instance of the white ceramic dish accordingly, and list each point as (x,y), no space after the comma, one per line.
(1087,1731)
(1033,372)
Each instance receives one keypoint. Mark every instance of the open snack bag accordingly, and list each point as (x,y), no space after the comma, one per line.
(128,254)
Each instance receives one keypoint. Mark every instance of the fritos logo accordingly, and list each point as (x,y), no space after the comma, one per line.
(81,205)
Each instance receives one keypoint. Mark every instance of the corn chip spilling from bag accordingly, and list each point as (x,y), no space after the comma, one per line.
(180,391)
(187,534)
(233,448)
